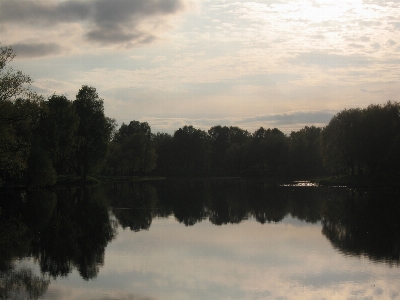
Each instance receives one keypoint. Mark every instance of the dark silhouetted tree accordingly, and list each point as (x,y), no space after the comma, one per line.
(58,129)
(190,146)
(305,151)
(133,147)
(93,134)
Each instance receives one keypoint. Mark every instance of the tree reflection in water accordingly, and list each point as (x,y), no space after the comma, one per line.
(63,230)
(355,222)
(22,284)
(69,229)
(365,224)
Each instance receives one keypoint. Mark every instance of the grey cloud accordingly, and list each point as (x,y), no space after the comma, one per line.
(391,42)
(381,2)
(286,122)
(318,37)
(353,45)
(395,24)
(373,92)
(110,22)
(36,50)
(42,13)
(310,118)
(121,11)
(376,46)
(114,34)
(361,39)
(368,23)
(330,60)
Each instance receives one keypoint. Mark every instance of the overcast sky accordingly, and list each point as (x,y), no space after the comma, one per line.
(170,63)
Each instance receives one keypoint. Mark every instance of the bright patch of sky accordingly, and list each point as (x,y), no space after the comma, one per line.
(179,62)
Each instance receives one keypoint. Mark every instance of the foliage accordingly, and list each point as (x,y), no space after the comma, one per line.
(163,144)
(58,129)
(40,171)
(93,134)
(13,84)
(339,140)
(363,138)
(132,149)
(268,149)
(190,148)
(305,151)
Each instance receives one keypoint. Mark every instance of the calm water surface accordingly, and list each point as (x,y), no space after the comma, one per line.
(226,239)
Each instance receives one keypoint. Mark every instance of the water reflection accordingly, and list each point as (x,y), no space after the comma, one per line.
(69,229)
(355,222)
(22,284)
(63,230)
(133,204)
(365,223)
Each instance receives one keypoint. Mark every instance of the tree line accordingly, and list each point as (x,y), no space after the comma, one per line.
(42,138)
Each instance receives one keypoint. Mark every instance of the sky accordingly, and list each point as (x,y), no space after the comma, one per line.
(270,63)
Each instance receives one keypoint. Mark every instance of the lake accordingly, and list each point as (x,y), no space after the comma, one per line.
(200,239)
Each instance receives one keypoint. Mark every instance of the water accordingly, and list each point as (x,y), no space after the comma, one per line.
(200,240)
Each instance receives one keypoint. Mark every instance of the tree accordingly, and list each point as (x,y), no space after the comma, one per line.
(19,134)
(14,149)
(190,147)
(163,143)
(220,142)
(380,125)
(93,133)
(268,149)
(340,144)
(305,151)
(13,84)
(133,146)
(58,129)
(40,168)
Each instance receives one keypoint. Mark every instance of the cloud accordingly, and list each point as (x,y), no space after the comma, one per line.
(373,92)
(318,37)
(369,23)
(395,24)
(36,49)
(391,42)
(310,118)
(285,122)
(42,12)
(376,46)
(117,22)
(331,60)
(158,59)
(353,45)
